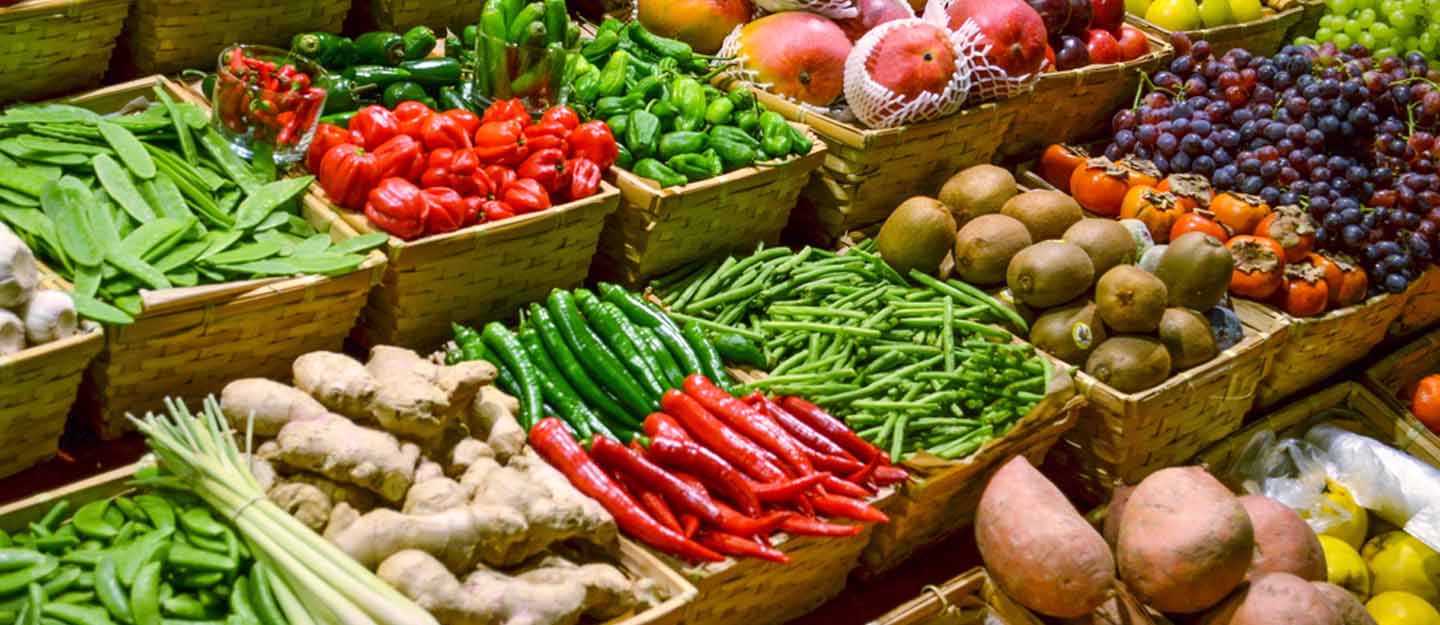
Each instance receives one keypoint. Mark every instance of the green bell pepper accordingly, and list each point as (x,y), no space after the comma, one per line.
(618,124)
(642,133)
(419,41)
(624,159)
(601,47)
(774,135)
(747,120)
(328,49)
(657,171)
(379,48)
(697,166)
(587,88)
(733,154)
(688,97)
(612,76)
(719,111)
(612,106)
(681,142)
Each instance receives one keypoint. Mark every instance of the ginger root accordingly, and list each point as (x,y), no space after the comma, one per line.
(492,419)
(465,453)
(435,496)
(337,381)
(273,404)
(335,447)
(419,399)
(306,502)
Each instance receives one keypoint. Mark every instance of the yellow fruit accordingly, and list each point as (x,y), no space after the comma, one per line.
(1399,561)
(1242,11)
(1345,568)
(1137,7)
(1353,530)
(1401,608)
(1174,14)
(1214,12)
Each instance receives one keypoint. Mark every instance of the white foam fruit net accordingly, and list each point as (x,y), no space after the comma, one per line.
(833,9)
(878,106)
(987,81)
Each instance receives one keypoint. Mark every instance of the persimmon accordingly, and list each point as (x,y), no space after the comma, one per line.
(1200,220)
(1192,189)
(1304,293)
(1259,266)
(1099,186)
(1292,228)
(1142,172)
(1347,282)
(1239,212)
(1058,161)
(1156,209)
(1425,404)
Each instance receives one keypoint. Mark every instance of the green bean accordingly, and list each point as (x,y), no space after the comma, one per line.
(711,325)
(725,296)
(829,328)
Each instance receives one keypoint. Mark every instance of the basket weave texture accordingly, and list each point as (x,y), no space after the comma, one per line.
(400,15)
(1316,348)
(1393,379)
(54,47)
(1422,304)
(164,36)
(35,398)
(1262,37)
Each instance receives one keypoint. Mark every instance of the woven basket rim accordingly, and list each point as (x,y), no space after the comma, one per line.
(1369,303)
(1270,16)
(628,180)
(858,136)
(91,332)
(48,8)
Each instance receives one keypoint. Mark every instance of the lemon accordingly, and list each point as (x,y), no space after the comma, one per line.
(1401,608)
(1242,11)
(1399,561)
(1214,12)
(1353,530)
(1174,14)
(1345,568)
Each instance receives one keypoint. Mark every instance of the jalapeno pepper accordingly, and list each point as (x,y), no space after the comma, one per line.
(402,91)
(339,93)
(378,75)
(775,138)
(659,172)
(433,72)
(329,50)
(380,48)
(601,47)
(419,41)
(642,134)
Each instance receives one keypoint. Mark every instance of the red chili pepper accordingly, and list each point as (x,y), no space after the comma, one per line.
(653,502)
(501,143)
(594,141)
(801,432)
(837,505)
(467,120)
(326,136)
(584,178)
(551,440)
(659,424)
(288,125)
(863,475)
(887,475)
(401,157)
(833,464)
(833,429)
(376,125)
(787,490)
(237,62)
(682,454)
(805,526)
(691,523)
(495,210)
(725,442)
(500,179)
(546,167)
(562,115)
(680,493)
(839,486)
(749,422)
(527,196)
(398,207)
(444,132)
(733,545)
(347,174)
(445,212)
(507,110)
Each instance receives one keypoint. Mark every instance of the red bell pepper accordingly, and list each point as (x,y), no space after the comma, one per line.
(547,136)
(444,132)
(584,178)
(501,143)
(445,210)
(439,158)
(507,110)
(474,209)
(401,157)
(563,115)
(348,173)
(748,421)
(477,184)
(464,162)
(467,120)
(412,117)
(376,125)
(326,136)
(436,177)
(500,179)
(495,210)
(398,207)
(525,195)
(546,167)
(593,140)
(720,438)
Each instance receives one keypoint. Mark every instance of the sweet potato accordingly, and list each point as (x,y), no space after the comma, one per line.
(1284,542)
(1038,547)
(1114,513)
(1185,541)
(1351,611)
(1283,599)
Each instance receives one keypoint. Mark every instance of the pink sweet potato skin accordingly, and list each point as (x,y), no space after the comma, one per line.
(1038,547)
(1114,513)
(1283,599)
(1351,611)
(1284,543)
(1185,541)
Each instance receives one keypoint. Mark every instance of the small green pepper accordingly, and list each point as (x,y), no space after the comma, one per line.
(612,76)
(454,47)
(610,106)
(738,349)
(402,91)
(379,48)
(469,35)
(681,142)
(328,49)
(800,143)
(697,166)
(624,159)
(519,26)
(657,171)
(689,99)
(648,87)
(733,153)
(775,135)
(419,41)
(666,112)
(747,120)
(743,98)
(556,21)
(601,47)
(719,111)
(737,135)
(587,88)
(643,133)
(618,124)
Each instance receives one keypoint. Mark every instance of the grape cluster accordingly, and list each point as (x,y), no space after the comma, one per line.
(1348,135)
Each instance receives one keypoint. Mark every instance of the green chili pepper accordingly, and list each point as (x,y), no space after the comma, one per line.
(556,21)
(697,166)
(419,41)
(612,76)
(433,72)
(519,26)
(775,134)
(402,91)
(329,50)
(493,25)
(469,35)
(587,88)
(743,98)
(643,133)
(378,75)
(800,143)
(339,119)
(454,47)
(689,99)
(663,110)
(612,106)
(663,46)
(659,172)
(572,34)
(681,142)
(450,99)
(733,154)
(648,87)
(738,349)
(719,111)
(601,47)
(379,48)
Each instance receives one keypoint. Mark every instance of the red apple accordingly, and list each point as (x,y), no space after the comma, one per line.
(799,54)
(1107,14)
(703,24)
(1132,42)
(1015,32)
(912,58)
(1080,16)
(874,13)
(1055,14)
(1071,53)
(1102,46)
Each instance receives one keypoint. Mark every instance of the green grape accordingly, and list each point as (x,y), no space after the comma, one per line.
(1366,39)
(1411,43)
(1429,43)
(1332,22)
(1324,34)
(1340,7)
(1386,6)
(1363,5)
(1401,21)
(1305,41)
(1385,53)
(1366,17)
(1435,14)
(1354,29)
(1382,33)
(1414,7)
(1342,40)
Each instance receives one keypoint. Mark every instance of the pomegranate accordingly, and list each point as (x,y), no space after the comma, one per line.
(903,71)
(1013,30)
(874,13)
(1102,46)
(1107,14)
(1132,42)
(703,24)
(799,54)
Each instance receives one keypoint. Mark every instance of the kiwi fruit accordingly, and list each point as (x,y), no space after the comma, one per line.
(1046,214)
(1129,364)
(984,247)
(1130,300)
(1196,268)
(976,191)
(917,235)
(1151,258)
(1049,273)
(1106,241)
(1069,333)
(1186,334)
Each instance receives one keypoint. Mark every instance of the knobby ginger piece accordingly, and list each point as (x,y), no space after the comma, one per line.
(418,399)
(263,471)
(338,382)
(465,453)
(492,419)
(455,536)
(307,503)
(335,447)
(608,592)
(273,405)
(434,496)
(553,513)
(486,598)
(337,492)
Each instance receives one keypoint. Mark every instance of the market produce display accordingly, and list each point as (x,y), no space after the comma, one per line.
(150,201)
(418,172)
(1387,28)
(29,316)
(1087,32)
(521,50)
(1182,15)
(259,100)
(386,68)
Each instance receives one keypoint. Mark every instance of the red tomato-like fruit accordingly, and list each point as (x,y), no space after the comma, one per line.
(1132,41)
(1102,46)
(1015,32)
(1107,14)
(1426,404)
(801,55)
(912,58)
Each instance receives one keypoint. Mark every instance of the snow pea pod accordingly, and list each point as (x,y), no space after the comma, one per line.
(187,142)
(130,150)
(65,202)
(260,202)
(117,183)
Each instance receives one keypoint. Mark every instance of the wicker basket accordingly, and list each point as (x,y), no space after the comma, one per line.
(164,36)
(1262,37)
(17,517)
(941,497)
(478,274)
(54,47)
(1049,113)
(1316,348)
(189,342)
(400,15)
(1123,437)
(1422,304)
(1393,379)
(1378,420)
(657,230)
(40,386)
(973,598)
(867,173)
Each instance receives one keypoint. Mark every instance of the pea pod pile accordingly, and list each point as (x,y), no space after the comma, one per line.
(914,368)
(153,558)
(152,200)
(671,125)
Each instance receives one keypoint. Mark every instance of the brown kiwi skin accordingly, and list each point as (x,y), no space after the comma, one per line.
(976,191)
(1187,336)
(1049,273)
(1056,332)
(1046,214)
(1130,299)
(1108,243)
(984,247)
(1129,363)
(1196,269)
(918,235)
